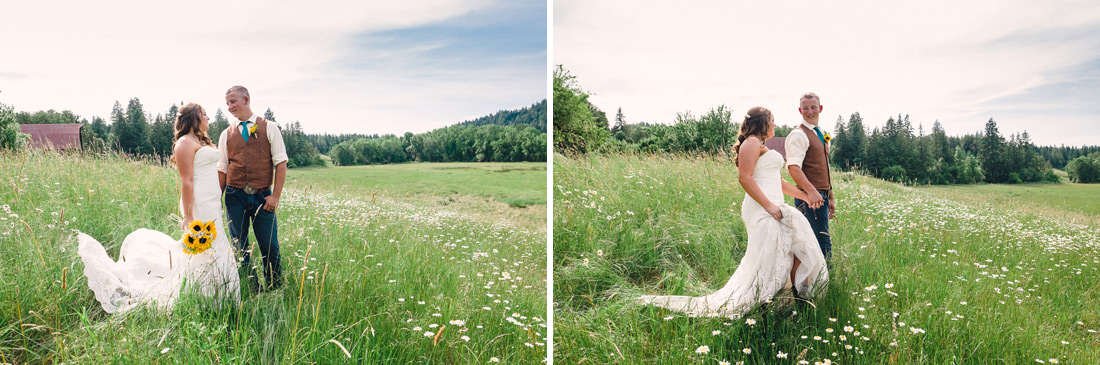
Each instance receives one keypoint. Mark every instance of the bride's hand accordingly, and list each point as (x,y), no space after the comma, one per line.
(186,220)
(774,211)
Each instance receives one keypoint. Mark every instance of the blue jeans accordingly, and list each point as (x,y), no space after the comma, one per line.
(244,210)
(819,221)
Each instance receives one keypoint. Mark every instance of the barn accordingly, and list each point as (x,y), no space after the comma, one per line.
(53,136)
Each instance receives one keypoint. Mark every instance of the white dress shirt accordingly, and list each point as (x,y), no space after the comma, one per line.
(274,135)
(796,145)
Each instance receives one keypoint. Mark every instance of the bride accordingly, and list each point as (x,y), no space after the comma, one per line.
(781,244)
(154,268)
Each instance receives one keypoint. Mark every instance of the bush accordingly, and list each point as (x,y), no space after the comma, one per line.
(11,137)
(894,173)
(1084,169)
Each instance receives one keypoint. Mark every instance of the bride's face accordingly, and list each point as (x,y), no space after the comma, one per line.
(771,127)
(204,121)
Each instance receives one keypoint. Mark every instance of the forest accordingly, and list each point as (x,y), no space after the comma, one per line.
(898,151)
(504,136)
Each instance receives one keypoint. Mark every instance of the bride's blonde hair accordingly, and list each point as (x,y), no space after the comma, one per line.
(755,125)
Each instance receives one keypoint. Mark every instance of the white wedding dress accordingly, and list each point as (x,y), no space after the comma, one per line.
(152,267)
(766,267)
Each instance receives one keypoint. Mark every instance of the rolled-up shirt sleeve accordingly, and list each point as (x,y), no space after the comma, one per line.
(278,149)
(223,160)
(796,145)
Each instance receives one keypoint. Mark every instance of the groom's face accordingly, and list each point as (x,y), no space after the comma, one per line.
(810,109)
(238,105)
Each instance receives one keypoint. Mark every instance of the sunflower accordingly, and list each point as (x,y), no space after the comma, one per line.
(196,243)
(195,226)
(828,138)
(210,228)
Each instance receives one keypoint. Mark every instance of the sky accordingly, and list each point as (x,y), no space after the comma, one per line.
(1030,66)
(336,67)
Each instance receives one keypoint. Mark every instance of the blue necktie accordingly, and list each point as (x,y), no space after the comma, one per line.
(244,131)
(819,136)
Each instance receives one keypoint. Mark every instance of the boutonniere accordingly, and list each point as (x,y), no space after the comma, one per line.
(252,130)
(828,137)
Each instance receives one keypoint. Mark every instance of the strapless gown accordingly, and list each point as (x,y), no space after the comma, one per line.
(766,267)
(152,268)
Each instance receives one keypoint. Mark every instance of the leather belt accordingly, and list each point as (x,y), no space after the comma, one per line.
(248,189)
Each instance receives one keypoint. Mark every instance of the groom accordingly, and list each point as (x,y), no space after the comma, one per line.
(253,161)
(807,150)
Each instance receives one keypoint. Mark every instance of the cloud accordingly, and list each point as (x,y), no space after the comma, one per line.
(301,59)
(939,60)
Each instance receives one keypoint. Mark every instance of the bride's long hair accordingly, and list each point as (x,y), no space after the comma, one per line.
(188,120)
(755,124)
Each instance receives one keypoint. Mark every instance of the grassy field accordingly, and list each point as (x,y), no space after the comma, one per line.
(916,277)
(383,279)
(510,191)
(1078,202)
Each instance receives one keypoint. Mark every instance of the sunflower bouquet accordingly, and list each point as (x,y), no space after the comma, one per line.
(199,237)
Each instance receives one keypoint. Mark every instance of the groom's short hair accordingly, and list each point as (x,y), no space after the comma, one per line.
(804,96)
(240,90)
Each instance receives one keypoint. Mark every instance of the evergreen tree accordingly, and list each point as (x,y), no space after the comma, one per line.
(219,124)
(991,153)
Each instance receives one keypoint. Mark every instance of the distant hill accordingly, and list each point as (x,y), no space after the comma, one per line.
(534,116)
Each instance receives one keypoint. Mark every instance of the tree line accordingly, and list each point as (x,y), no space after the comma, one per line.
(897,151)
(134,130)
(457,143)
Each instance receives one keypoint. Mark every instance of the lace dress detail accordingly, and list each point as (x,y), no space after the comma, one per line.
(765,269)
(152,267)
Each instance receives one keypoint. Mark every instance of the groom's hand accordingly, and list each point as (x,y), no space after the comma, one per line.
(815,199)
(271,202)
(832,209)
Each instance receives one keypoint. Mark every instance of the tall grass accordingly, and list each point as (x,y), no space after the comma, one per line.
(915,278)
(367,281)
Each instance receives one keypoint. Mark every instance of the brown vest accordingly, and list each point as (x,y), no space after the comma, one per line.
(816,163)
(249,162)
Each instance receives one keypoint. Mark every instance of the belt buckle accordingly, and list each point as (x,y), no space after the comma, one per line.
(248,189)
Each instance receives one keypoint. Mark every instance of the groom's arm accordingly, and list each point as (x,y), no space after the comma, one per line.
(221,180)
(272,201)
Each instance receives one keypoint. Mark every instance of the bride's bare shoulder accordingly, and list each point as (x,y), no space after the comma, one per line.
(186,145)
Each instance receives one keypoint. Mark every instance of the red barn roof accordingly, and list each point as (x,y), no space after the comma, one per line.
(777,143)
(49,136)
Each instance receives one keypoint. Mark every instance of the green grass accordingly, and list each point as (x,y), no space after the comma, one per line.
(512,191)
(921,278)
(369,275)
(1069,201)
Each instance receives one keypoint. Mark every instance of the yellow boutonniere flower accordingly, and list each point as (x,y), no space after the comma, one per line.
(828,138)
(252,129)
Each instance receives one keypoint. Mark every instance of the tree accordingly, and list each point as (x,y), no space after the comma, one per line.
(269,115)
(217,126)
(620,121)
(991,152)
(1084,169)
(575,128)
(11,138)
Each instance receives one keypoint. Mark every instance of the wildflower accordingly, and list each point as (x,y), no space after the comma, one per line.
(750,321)
(428,334)
(599,252)
(494,359)
(848,329)
(465,338)
(702,350)
(715,332)
(585,261)
(746,350)
(165,350)
(828,330)
(1053,361)
(723,362)
(781,355)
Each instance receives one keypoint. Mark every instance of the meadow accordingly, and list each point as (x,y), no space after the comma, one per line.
(917,276)
(374,274)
